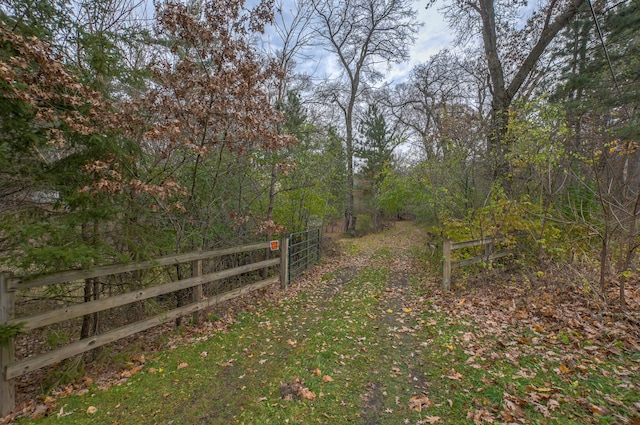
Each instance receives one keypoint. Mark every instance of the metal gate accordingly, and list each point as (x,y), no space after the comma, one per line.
(304,252)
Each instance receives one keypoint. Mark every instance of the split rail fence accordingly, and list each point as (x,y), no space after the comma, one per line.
(198,286)
(449,246)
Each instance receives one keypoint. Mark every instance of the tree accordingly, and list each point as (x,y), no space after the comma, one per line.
(375,148)
(511,54)
(376,145)
(362,34)
(432,91)
(311,173)
(600,92)
(207,113)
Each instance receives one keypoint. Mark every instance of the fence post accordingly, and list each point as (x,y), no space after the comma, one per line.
(488,250)
(7,387)
(196,271)
(284,261)
(446,268)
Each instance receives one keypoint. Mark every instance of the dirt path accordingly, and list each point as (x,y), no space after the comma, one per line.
(390,250)
(368,338)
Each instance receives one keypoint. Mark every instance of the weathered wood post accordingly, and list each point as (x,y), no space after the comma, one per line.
(488,249)
(196,271)
(284,261)
(446,268)
(7,352)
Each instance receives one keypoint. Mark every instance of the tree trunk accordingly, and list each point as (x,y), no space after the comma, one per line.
(503,93)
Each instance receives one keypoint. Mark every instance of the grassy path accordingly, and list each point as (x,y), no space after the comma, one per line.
(367,341)
(349,339)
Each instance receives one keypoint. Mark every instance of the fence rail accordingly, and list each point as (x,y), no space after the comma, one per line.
(449,246)
(298,250)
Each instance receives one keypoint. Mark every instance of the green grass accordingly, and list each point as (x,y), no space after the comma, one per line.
(381,344)
(239,378)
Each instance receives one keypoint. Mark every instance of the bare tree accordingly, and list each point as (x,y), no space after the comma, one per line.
(432,89)
(362,35)
(292,29)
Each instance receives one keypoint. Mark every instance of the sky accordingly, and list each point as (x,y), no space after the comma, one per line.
(433,36)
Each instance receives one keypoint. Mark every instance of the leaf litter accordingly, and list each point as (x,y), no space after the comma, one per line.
(499,323)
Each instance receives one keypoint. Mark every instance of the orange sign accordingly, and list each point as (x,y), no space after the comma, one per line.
(275,245)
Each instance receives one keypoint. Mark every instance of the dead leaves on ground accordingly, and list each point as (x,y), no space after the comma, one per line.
(295,390)
(558,328)
(419,402)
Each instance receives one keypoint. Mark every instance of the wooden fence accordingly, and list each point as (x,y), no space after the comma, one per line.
(449,246)
(12,368)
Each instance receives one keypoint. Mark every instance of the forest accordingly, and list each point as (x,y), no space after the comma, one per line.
(130,130)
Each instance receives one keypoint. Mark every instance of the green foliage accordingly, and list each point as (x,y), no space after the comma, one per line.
(431,190)
(312,184)
(364,224)
(70,371)
(376,145)
(525,223)
(395,194)
(57,338)
(8,332)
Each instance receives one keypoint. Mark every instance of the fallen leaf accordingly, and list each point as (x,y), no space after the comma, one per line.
(183,365)
(419,402)
(480,416)
(407,310)
(327,378)
(40,411)
(452,374)
(91,410)
(307,395)
(597,410)
(539,328)
(565,370)
(317,372)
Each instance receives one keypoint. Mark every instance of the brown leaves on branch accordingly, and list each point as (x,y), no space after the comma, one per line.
(61,103)
(208,93)
(210,87)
